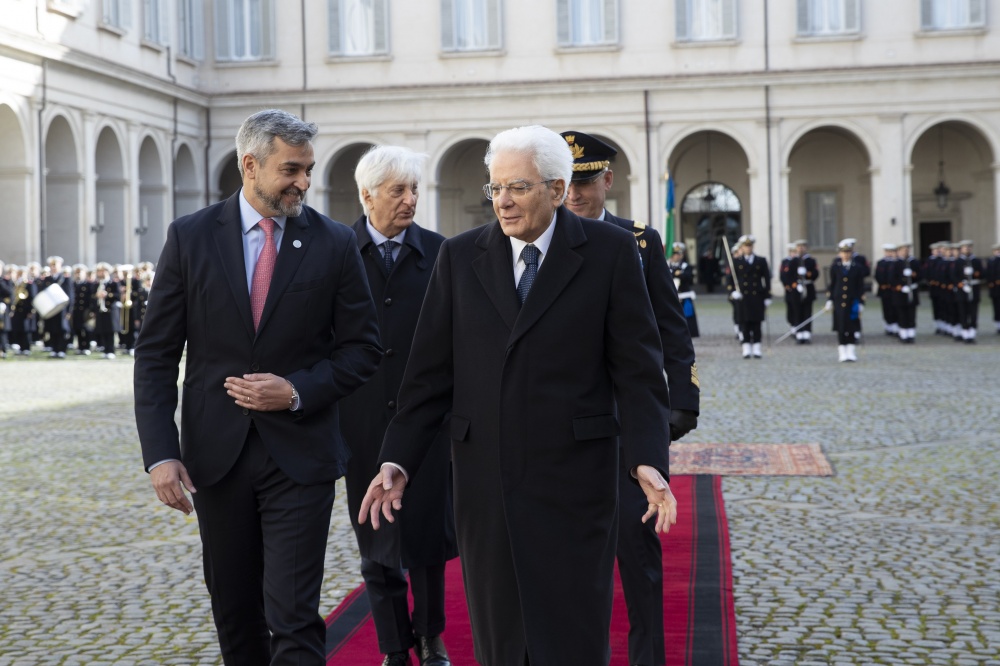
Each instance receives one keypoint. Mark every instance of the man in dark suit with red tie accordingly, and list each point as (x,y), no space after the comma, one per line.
(533,339)
(271,300)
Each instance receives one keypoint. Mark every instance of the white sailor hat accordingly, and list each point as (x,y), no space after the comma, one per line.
(885,246)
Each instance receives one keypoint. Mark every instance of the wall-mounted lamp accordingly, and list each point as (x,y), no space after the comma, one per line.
(143,222)
(99,227)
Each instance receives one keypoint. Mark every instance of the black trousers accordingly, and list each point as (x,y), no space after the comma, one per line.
(264,542)
(387,594)
(750,331)
(640,564)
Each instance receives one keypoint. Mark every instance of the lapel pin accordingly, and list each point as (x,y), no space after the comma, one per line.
(296,243)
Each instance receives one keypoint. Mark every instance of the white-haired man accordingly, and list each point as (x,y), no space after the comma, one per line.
(398,255)
(531,337)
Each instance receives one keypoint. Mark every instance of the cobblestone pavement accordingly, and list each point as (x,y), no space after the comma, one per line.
(894,560)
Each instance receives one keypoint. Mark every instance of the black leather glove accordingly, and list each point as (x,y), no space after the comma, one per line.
(682,421)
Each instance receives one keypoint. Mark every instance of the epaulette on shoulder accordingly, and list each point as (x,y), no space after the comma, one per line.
(639,225)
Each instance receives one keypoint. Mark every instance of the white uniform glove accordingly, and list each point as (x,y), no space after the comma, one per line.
(907,272)
(905,289)
(736,295)
(967,289)
(767,302)
(861,308)
(828,305)
(968,270)
(801,288)
(802,270)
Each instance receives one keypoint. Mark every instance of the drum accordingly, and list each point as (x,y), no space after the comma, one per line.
(50,301)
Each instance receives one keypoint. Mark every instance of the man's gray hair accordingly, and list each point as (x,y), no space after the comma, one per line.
(381,164)
(549,152)
(256,134)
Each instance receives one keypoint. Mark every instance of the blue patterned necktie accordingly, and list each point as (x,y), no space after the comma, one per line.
(530,256)
(387,254)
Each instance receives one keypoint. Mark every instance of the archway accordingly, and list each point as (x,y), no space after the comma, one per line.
(63,185)
(461,176)
(153,208)
(229,178)
(15,187)
(710,168)
(952,184)
(110,218)
(342,192)
(187,193)
(829,191)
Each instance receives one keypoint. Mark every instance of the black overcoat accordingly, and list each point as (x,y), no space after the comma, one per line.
(533,393)
(424,535)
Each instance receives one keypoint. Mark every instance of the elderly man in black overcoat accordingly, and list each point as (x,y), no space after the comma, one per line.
(531,336)
(398,256)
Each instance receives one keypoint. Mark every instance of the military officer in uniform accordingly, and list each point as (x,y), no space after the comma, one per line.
(967,274)
(639,554)
(808,273)
(883,273)
(57,326)
(846,298)
(750,289)
(683,274)
(904,276)
(993,283)
(6,297)
(82,315)
(107,304)
(931,276)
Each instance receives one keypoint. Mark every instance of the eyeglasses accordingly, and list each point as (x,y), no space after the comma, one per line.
(516,189)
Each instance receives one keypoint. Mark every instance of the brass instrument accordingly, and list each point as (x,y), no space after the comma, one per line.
(102,288)
(127,302)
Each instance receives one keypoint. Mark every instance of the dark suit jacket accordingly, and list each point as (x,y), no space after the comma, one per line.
(318,330)
(424,535)
(675,335)
(533,393)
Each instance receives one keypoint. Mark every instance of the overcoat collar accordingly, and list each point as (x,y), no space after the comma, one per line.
(229,241)
(495,270)
(413,242)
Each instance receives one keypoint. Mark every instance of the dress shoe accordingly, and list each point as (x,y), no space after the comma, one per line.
(431,651)
(397,659)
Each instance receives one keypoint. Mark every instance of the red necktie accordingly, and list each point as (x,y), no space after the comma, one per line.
(262,271)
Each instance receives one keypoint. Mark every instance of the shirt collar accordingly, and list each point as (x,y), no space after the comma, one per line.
(378,238)
(542,242)
(249,216)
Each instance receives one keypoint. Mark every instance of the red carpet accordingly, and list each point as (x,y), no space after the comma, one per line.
(699,619)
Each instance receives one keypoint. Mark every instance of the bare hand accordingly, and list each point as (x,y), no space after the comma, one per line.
(662,503)
(262,392)
(169,480)
(384,494)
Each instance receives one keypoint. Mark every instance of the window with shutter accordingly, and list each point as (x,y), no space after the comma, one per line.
(244,29)
(821,218)
(952,14)
(358,27)
(470,25)
(587,22)
(706,20)
(828,17)
(116,14)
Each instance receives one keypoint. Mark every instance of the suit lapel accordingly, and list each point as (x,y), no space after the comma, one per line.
(495,270)
(558,267)
(294,244)
(228,235)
